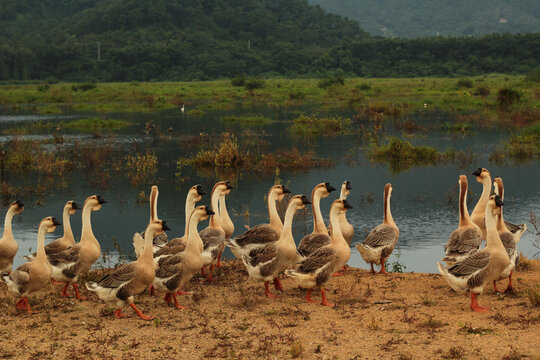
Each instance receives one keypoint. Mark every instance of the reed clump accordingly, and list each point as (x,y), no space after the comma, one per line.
(314,125)
(522,147)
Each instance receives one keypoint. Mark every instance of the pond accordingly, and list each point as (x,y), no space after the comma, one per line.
(424,199)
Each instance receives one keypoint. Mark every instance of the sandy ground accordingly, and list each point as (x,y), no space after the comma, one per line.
(398,316)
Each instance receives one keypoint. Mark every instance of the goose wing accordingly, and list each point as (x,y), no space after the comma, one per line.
(382,235)
(54,247)
(119,276)
(21,277)
(513,227)
(70,255)
(463,242)
(471,264)
(311,242)
(317,260)
(260,234)
(169,250)
(160,240)
(180,241)
(509,243)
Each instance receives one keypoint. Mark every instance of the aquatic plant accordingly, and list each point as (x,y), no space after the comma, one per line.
(247,119)
(80,125)
(331,81)
(141,167)
(253,84)
(522,147)
(314,125)
(506,97)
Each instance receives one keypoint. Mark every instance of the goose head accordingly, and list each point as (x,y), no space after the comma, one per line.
(159,225)
(498,187)
(280,191)
(340,206)
(16,207)
(224,187)
(72,206)
(95,202)
(462,180)
(346,187)
(495,204)
(202,212)
(323,189)
(482,175)
(388,189)
(197,192)
(50,223)
(300,201)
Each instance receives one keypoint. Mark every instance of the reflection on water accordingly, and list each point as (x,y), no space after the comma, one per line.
(424,199)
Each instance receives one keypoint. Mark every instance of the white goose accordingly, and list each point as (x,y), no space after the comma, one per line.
(177,270)
(381,241)
(77,259)
(267,262)
(316,269)
(226,222)
(467,238)
(118,288)
(160,238)
(65,241)
(8,245)
(482,266)
(32,276)
(346,228)
(319,237)
(263,233)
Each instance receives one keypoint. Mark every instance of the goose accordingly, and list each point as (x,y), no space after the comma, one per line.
(483,176)
(213,237)
(263,233)
(319,237)
(508,239)
(316,269)
(380,242)
(177,270)
(160,238)
(266,262)
(118,288)
(65,241)
(467,238)
(516,230)
(67,265)
(8,245)
(34,275)
(346,228)
(226,222)
(482,266)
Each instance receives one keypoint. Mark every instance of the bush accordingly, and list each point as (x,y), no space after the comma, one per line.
(330,81)
(363,86)
(238,81)
(506,97)
(533,75)
(84,86)
(465,83)
(482,91)
(313,125)
(43,87)
(252,84)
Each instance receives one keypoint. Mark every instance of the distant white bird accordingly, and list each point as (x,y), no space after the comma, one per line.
(182,108)
(425,106)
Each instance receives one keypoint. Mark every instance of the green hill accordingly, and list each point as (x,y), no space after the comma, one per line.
(418,18)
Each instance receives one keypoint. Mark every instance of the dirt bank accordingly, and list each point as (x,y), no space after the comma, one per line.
(398,316)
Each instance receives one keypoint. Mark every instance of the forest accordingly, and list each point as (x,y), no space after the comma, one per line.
(157,40)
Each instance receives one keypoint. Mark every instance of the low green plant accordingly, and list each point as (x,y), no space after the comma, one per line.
(506,97)
(330,81)
(314,125)
(465,83)
(141,167)
(247,119)
(84,86)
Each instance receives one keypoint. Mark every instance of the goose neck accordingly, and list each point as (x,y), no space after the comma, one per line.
(388,219)
(492,238)
(337,235)
(147,255)
(190,206)
(318,222)
(273,215)
(41,243)
(482,202)
(286,233)
(86,231)
(66,224)
(7,223)
(215,220)
(194,242)
(343,195)
(464,218)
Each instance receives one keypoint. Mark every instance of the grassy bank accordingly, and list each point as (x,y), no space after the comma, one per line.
(396,96)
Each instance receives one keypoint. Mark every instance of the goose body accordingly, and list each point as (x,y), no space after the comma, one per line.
(319,237)
(262,233)
(65,241)
(177,270)
(34,275)
(67,265)
(160,237)
(346,228)
(316,269)
(467,238)
(380,242)
(266,262)
(483,176)
(119,288)
(8,245)
(482,266)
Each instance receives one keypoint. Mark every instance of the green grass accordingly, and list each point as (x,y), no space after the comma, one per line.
(80,125)
(256,120)
(314,125)
(521,147)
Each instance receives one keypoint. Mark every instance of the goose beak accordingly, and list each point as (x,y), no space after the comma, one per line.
(305,200)
(477,172)
(100,200)
(286,191)
(200,190)
(348,185)
(329,187)
(75,206)
(229,186)
(56,222)
(347,205)
(209,211)
(498,201)
(164,226)
(19,203)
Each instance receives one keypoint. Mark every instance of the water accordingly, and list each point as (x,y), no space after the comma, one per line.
(424,199)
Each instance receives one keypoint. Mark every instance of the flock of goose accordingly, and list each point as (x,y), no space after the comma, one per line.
(266,250)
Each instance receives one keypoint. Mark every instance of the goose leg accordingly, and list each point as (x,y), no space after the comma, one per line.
(324,301)
(119,314)
(167,298)
(267,291)
(26,306)
(372,269)
(77,294)
(151,290)
(180,292)
(54,282)
(510,288)
(176,303)
(20,304)
(209,275)
(474,305)
(495,287)
(139,312)
(308,297)
(278,285)
(383,271)
(64,290)
(218,265)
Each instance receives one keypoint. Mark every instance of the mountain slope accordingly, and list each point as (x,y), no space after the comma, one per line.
(418,18)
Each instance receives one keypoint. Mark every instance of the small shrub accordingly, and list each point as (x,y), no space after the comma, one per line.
(533,293)
(363,86)
(84,86)
(533,75)
(296,95)
(506,97)
(465,83)
(141,167)
(238,81)
(313,125)
(253,84)
(43,87)
(296,350)
(196,112)
(330,81)
(482,91)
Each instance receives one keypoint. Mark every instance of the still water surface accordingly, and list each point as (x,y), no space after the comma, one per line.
(424,200)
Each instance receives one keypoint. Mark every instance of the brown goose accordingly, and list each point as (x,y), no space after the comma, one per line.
(268,261)
(316,269)
(466,239)
(34,275)
(226,222)
(381,241)
(482,266)
(319,237)
(8,245)
(118,288)
(483,176)
(160,238)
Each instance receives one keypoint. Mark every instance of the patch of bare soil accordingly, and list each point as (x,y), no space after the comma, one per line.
(397,316)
